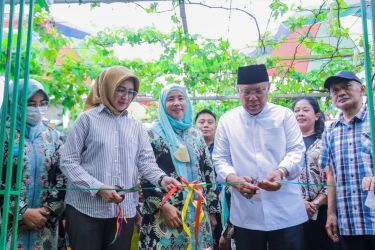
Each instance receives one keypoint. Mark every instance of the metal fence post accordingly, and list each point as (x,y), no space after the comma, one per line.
(368,70)
(6,191)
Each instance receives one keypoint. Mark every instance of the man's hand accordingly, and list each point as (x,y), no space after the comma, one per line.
(168,183)
(109,194)
(331,227)
(245,188)
(272,181)
(368,183)
(172,216)
(310,208)
(35,218)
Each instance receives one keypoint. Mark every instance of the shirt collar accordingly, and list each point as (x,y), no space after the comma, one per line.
(102,108)
(261,113)
(361,115)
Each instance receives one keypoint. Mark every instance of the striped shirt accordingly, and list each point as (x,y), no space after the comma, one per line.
(103,149)
(347,148)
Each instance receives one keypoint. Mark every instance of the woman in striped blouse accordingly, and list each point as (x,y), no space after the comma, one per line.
(107,149)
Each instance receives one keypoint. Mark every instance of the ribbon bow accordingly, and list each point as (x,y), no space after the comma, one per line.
(193,187)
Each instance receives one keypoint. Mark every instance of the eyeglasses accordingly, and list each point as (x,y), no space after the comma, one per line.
(34,104)
(257,92)
(124,92)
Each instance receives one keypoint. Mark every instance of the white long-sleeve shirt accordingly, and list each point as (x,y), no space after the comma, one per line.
(253,146)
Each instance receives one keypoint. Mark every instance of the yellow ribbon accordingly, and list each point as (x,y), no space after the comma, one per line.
(189,198)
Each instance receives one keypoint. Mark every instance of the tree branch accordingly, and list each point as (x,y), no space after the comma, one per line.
(303,39)
(183,16)
(263,46)
(338,39)
(157,12)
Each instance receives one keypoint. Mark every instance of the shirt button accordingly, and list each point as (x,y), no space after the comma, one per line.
(351,159)
(352,175)
(349,128)
(350,143)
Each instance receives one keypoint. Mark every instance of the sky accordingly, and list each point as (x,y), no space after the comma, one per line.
(236,27)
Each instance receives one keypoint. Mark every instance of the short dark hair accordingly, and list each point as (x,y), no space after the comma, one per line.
(205,111)
(319,124)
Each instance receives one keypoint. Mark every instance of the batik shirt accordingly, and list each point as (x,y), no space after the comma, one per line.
(155,234)
(40,175)
(312,173)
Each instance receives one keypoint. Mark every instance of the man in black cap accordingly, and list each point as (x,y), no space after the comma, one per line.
(346,151)
(259,144)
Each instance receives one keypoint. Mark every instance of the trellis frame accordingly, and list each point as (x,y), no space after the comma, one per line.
(6,190)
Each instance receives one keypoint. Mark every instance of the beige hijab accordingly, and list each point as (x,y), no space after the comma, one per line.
(105,85)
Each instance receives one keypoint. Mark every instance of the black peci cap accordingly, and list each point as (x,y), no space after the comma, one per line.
(252,74)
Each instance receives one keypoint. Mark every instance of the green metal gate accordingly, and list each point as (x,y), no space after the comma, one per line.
(368,67)
(13,74)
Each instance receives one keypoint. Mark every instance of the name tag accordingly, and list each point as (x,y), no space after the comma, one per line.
(370,200)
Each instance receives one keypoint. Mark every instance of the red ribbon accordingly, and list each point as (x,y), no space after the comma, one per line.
(120,219)
(193,187)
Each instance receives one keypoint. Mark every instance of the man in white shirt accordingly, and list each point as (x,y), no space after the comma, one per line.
(260,144)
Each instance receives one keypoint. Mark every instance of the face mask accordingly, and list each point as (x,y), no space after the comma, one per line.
(35,114)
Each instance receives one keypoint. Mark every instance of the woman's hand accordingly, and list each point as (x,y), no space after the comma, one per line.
(213,222)
(172,216)
(223,243)
(168,183)
(310,208)
(109,194)
(35,218)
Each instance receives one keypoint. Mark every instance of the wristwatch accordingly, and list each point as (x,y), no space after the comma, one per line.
(161,179)
(22,212)
(283,171)
(316,202)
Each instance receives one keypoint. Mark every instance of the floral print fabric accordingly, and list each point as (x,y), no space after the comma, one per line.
(154,233)
(312,173)
(40,171)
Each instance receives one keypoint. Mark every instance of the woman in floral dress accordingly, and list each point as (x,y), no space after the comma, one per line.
(311,122)
(180,151)
(40,208)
